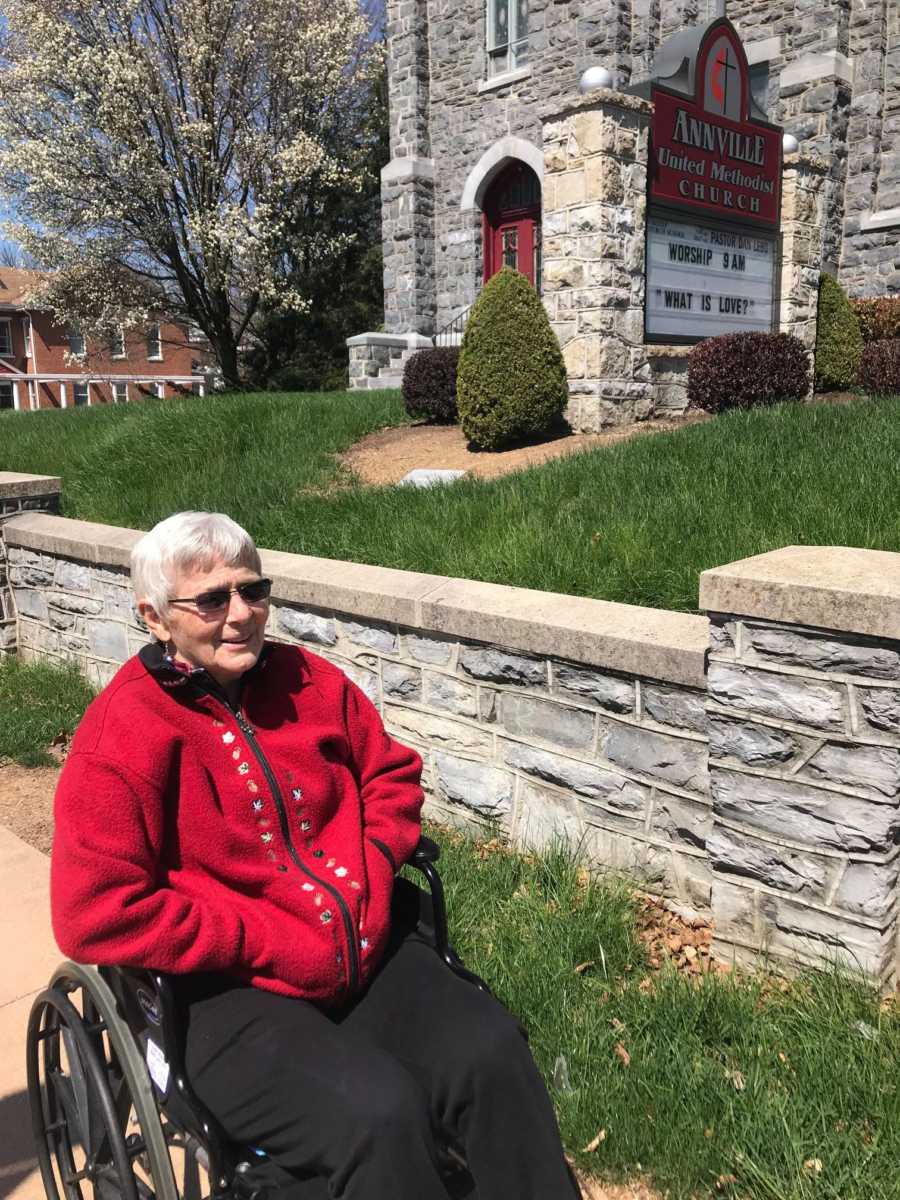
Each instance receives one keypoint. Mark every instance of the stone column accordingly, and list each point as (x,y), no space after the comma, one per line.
(802,225)
(19,494)
(804,757)
(407,182)
(595,181)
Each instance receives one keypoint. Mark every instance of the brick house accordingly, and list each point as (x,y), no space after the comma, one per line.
(470,82)
(40,367)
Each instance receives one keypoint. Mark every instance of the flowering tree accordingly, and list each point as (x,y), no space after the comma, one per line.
(158,154)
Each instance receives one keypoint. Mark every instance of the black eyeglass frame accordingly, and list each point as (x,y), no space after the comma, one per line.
(205,604)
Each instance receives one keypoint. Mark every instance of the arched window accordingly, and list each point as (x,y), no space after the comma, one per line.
(512,223)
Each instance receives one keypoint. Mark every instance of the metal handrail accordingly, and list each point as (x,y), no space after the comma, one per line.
(452,332)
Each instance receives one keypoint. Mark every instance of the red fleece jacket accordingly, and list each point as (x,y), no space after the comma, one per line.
(261,843)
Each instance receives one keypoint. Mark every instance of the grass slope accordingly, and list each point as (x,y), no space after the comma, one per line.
(635,522)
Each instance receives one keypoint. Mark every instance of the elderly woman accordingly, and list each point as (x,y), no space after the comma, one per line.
(234,812)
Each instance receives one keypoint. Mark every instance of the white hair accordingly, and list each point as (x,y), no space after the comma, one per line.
(187,541)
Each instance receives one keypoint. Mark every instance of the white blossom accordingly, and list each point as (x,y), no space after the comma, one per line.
(156,155)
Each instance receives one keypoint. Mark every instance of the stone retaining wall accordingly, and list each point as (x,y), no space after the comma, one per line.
(19,494)
(766,797)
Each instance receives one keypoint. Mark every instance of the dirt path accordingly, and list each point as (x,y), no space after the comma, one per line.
(386,456)
(26,803)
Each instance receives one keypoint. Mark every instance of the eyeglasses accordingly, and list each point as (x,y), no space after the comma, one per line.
(257,591)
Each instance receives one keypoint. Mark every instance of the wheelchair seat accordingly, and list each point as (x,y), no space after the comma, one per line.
(111,1105)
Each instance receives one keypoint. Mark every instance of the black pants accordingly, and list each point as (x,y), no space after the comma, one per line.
(360,1096)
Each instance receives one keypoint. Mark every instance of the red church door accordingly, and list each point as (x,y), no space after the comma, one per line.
(512,223)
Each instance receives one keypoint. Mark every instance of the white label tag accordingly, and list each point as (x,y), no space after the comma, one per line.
(157,1065)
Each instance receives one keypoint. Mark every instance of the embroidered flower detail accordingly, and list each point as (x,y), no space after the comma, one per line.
(264,822)
(257,805)
(330,863)
(341,872)
(228,738)
(354,885)
(297,793)
(267,837)
(236,753)
(364,943)
(306,887)
(325,915)
(317,899)
(252,786)
(318,853)
(243,768)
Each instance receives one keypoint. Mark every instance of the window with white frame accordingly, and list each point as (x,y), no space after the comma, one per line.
(154,344)
(80,394)
(6,339)
(7,399)
(507,35)
(120,393)
(26,336)
(76,343)
(117,344)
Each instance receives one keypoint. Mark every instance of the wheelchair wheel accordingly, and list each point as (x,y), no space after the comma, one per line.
(96,1125)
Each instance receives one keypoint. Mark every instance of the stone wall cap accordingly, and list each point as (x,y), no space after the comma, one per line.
(658,350)
(409,341)
(107,545)
(828,587)
(14,484)
(595,99)
(652,643)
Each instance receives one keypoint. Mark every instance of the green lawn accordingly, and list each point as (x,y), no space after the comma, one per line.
(727,1079)
(37,704)
(635,522)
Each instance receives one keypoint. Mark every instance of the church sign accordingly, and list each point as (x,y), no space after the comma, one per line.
(714,191)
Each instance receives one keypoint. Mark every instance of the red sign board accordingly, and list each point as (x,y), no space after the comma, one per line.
(707,154)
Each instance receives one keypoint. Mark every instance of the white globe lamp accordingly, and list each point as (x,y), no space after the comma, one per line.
(594,78)
(789,144)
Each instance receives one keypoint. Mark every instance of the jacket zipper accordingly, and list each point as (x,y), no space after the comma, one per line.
(254,745)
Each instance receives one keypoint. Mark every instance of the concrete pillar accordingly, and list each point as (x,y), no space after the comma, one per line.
(407,182)
(595,180)
(802,245)
(803,704)
(62,395)
(17,401)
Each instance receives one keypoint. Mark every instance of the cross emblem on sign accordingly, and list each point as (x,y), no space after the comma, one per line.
(718,82)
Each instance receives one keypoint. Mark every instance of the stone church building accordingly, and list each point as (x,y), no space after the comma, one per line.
(474,83)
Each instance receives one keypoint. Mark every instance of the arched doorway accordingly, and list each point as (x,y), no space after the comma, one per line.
(512,223)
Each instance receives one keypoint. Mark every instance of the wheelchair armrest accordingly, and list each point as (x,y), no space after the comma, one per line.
(423,859)
(426,851)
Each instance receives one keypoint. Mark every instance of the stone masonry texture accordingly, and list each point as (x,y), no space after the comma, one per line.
(767,800)
(805,790)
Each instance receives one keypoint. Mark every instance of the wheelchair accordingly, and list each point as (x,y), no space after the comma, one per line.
(112,1109)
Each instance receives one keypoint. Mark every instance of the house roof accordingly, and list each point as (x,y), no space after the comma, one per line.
(14,284)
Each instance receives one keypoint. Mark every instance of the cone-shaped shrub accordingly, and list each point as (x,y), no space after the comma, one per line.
(511,382)
(838,338)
